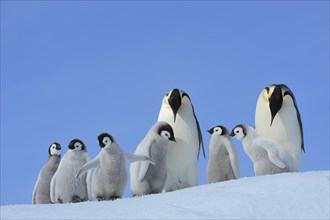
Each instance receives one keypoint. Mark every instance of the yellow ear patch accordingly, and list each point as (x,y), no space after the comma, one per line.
(271,90)
(269,95)
(169,94)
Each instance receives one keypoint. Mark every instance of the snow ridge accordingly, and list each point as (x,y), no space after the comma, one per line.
(280,196)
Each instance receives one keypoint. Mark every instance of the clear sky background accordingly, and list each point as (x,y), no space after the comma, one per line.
(79,68)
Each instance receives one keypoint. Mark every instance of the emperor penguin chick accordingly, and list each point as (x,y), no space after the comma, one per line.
(109,174)
(268,156)
(182,155)
(64,187)
(41,192)
(223,162)
(277,117)
(145,177)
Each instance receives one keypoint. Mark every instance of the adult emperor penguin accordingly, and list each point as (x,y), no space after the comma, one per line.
(109,174)
(41,192)
(182,155)
(223,162)
(277,117)
(145,177)
(64,187)
(268,157)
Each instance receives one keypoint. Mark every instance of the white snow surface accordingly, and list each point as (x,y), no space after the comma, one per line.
(281,196)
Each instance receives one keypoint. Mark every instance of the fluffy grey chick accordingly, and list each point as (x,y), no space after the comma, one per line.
(223,162)
(41,192)
(145,177)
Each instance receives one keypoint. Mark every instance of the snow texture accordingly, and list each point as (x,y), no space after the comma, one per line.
(280,196)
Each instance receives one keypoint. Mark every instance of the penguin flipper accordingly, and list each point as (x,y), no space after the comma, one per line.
(52,188)
(290,93)
(200,137)
(138,158)
(87,166)
(145,165)
(273,155)
(89,183)
(34,194)
(143,171)
(234,162)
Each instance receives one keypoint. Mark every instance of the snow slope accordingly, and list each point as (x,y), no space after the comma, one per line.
(281,196)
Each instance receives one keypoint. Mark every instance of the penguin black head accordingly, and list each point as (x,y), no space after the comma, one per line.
(54,149)
(219,130)
(166,131)
(275,98)
(105,140)
(239,132)
(77,145)
(174,100)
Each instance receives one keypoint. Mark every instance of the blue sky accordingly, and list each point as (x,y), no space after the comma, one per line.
(79,68)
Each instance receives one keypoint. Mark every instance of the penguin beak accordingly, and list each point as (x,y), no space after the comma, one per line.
(210,131)
(172,139)
(232,134)
(71,147)
(275,102)
(175,101)
(99,140)
(101,144)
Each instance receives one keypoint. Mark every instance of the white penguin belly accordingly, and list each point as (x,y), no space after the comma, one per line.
(182,169)
(67,186)
(285,130)
(110,178)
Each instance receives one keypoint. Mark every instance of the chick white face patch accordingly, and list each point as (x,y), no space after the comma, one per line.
(107,142)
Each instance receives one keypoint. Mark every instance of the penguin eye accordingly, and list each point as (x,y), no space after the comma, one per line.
(77,145)
(165,134)
(218,131)
(237,131)
(106,141)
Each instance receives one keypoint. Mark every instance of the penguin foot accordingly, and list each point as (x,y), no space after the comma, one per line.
(76,199)
(114,197)
(60,200)
(100,198)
